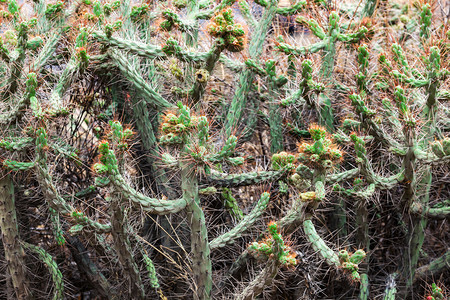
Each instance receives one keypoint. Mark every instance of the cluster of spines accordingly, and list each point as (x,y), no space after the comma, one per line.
(274,247)
(441,148)
(436,293)
(223,26)
(177,128)
(349,263)
(321,151)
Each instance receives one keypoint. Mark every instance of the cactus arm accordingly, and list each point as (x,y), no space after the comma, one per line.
(4,53)
(231,204)
(56,227)
(431,212)
(231,64)
(151,205)
(208,13)
(47,50)
(364,287)
(149,143)
(362,235)
(243,225)
(326,113)
(239,101)
(191,35)
(257,285)
(295,8)
(319,245)
(366,117)
(246,12)
(211,59)
(144,50)
(44,55)
(201,261)
(294,98)
(58,203)
(434,267)
(342,176)
(301,51)
(17,64)
(53,198)
(149,265)
(293,218)
(391,288)
(138,81)
(85,265)
(52,267)
(419,222)
(14,253)
(39,8)
(275,125)
(16,144)
(66,78)
(235,180)
(443,95)
(370,6)
(366,168)
(123,248)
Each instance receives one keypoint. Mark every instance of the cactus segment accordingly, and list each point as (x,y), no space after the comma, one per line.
(14,252)
(274,248)
(243,225)
(434,266)
(231,204)
(52,267)
(319,244)
(235,180)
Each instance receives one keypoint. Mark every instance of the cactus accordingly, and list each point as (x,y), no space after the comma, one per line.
(188,186)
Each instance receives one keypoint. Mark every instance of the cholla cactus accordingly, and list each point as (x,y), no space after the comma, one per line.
(436,293)
(274,247)
(321,152)
(223,26)
(135,206)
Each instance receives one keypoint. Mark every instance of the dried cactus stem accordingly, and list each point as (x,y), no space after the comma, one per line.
(264,279)
(87,267)
(199,235)
(14,252)
(123,249)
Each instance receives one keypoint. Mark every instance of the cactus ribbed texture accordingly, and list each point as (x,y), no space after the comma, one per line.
(14,252)
(123,248)
(319,244)
(243,225)
(52,267)
(220,93)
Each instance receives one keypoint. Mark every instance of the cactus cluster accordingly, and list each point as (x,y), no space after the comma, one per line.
(342,141)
